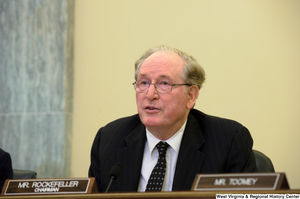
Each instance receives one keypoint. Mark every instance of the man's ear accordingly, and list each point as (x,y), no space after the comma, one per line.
(193,93)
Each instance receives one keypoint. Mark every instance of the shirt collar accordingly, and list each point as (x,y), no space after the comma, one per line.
(173,141)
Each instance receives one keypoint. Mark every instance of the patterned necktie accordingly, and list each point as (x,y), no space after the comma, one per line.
(157,176)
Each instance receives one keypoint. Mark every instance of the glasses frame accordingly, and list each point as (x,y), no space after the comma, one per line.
(155,86)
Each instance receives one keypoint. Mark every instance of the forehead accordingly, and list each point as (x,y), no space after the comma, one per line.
(162,63)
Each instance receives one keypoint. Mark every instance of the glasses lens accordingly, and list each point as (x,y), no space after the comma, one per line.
(164,87)
(142,85)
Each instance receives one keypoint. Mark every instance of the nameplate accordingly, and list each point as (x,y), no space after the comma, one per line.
(240,181)
(49,186)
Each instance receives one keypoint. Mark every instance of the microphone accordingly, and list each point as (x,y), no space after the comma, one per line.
(114,174)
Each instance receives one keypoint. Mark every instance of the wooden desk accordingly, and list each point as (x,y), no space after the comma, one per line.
(149,195)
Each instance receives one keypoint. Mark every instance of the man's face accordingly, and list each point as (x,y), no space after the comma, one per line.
(163,111)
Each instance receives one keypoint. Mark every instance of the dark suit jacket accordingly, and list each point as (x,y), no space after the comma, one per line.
(209,145)
(5,168)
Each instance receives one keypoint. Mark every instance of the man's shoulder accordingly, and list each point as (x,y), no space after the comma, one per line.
(4,154)
(217,128)
(5,158)
(210,120)
(124,123)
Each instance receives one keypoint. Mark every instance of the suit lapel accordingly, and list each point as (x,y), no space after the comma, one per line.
(190,158)
(131,157)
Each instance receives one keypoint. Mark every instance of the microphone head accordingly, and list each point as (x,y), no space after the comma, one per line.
(115,171)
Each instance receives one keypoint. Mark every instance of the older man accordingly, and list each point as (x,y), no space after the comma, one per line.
(168,131)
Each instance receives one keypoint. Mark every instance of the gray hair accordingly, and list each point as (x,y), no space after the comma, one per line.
(194,74)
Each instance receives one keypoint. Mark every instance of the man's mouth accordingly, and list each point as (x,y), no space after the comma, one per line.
(151,108)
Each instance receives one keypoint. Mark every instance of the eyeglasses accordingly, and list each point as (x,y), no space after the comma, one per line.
(161,86)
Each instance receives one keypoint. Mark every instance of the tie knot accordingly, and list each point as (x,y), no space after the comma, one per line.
(162,148)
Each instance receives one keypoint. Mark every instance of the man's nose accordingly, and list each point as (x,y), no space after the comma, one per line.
(152,92)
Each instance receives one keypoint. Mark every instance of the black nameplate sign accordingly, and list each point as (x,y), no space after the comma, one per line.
(49,186)
(240,181)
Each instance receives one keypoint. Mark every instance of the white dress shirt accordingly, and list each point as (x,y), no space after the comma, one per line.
(151,156)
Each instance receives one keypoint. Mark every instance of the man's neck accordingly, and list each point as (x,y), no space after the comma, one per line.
(164,133)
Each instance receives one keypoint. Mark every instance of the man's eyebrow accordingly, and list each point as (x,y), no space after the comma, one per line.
(161,76)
